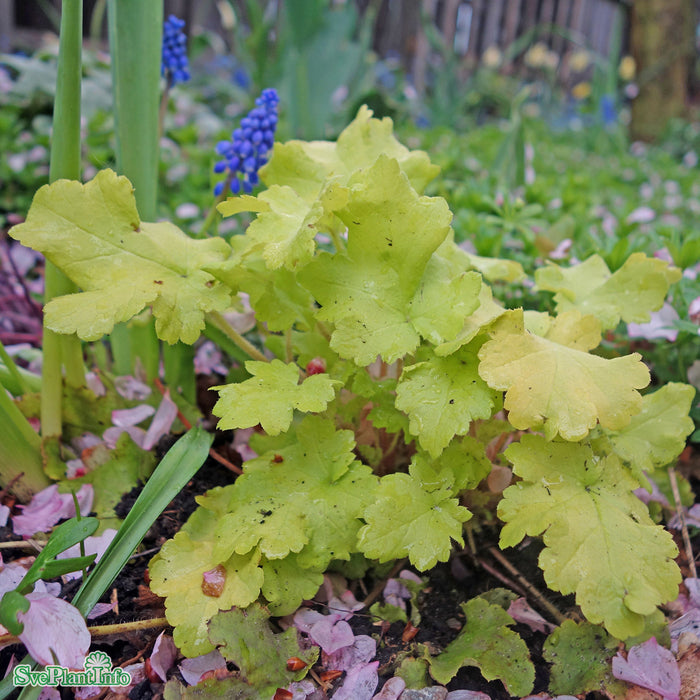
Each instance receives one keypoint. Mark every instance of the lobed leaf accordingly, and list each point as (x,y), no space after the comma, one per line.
(486,642)
(93,233)
(270,397)
(442,396)
(407,520)
(600,542)
(630,293)
(365,292)
(657,434)
(562,389)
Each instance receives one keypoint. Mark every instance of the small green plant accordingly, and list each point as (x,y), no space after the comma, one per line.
(385,371)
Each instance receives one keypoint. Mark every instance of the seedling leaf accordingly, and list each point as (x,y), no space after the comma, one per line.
(487,643)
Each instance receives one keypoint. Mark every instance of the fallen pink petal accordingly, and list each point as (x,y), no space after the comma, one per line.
(193,669)
(359,684)
(48,507)
(651,666)
(54,628)
(163,656)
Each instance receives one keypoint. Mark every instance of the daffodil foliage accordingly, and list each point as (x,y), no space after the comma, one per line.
(391,369)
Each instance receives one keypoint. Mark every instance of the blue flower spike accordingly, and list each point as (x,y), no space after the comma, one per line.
(250,146)
(175,66)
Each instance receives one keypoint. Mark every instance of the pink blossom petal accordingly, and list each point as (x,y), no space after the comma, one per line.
(521,611)
(562,250)
(641,215)
(692,518)
(192,670)
(94,383)
(301,689)
(692,585)
(694,310)
(345,606)
(48,507)
(49,694)
(87,691)
(125,417)
(93,545)
(163,656)
(663,254)
(4,514)
(650,666)
(361,651)
(305,619)
(689,622)
(360,683)
(241,439)
(392,689)
(132,389)
(331,635)
(659,327)
(138,675)
(111,435)
(656,495)
(161,423)
(395,589)
(54,627)
(101,609)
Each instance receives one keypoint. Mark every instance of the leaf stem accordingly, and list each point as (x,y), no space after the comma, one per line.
(218,321)
(13,370)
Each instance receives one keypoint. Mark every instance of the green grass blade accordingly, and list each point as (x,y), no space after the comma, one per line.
(175,470)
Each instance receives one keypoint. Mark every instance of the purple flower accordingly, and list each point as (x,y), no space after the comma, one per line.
(250,146)
(175,65)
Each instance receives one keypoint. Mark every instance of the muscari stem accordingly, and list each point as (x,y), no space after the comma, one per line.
(135,41)
(63,351)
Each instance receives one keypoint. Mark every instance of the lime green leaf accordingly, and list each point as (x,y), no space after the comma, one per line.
(569,328)
(307,498)
(177,570)
(93,233)
(561,388)
(442,396)
(600,542)
(284,229)
(306,166)
(444,299)
(657,434)
(486,313)
(494,269)
(392,232)
(462,465)
(487,643)
(287,584)
(270,397)
(580,655)
(630,293)
(244,637)
(211,689)
(406,520)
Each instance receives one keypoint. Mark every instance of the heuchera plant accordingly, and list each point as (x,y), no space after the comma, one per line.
(387,370)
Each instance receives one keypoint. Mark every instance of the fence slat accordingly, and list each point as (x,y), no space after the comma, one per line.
(492,25)
(512,22)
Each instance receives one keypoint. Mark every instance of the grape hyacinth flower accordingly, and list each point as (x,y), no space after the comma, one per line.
(175,64)
(249,147)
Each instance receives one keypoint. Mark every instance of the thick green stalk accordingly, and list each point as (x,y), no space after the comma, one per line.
(20,452)
(135,39)
(63,351)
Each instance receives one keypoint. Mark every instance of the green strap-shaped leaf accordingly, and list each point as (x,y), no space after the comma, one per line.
(487,643)
(392,233)
(407,520)
(270,397)
(564,390)
(630,293)
(94,234)
(600,542)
